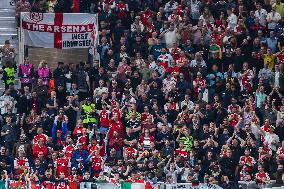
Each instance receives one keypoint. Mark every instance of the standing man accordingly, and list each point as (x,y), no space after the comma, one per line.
(261,14)
(9,72)
(59,75)
(83,82)
(8,133)
(26,73)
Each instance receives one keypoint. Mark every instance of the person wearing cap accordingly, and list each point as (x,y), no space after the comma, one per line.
(83,81)
(59,127)
(58,139)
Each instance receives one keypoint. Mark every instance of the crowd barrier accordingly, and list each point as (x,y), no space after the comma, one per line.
(252,184)
(87,185)
(92,185)
(155,186)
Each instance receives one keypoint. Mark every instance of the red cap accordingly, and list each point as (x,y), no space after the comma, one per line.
(59,131)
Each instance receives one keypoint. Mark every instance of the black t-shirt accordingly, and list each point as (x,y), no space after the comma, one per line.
(59,77)
(133,124)
(164,136)
(129,137)
(72,115)
(244,135)
(61,97)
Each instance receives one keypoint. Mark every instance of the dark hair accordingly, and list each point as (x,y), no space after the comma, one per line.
(82,64)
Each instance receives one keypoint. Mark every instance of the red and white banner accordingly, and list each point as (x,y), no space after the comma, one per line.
(59,30)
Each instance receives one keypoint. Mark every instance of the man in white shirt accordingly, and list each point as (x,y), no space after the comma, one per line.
(273,18)
(168,83)
(101,89)
(232,19)
(6,101)
(171,36)
(261,14)
(187,102)
(271,138)
(275,76)
(198,61)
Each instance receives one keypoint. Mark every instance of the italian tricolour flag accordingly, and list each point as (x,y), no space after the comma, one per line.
(132,185)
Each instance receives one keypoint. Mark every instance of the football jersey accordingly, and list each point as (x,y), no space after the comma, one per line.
(62,165)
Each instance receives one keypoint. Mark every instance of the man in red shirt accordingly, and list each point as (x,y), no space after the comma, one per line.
(104,119)
(79,129)
(115,125)
(97,162)
(62,164)
(69,149)
(247,160)
(21,164)
(261,177)
(39,136)
(40,147)
(181,151)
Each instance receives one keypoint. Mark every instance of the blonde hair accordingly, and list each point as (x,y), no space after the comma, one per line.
(40,65)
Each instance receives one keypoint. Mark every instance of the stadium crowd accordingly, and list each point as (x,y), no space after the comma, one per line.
(182,91)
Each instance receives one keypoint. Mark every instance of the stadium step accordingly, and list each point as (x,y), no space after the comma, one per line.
(7,12)
(7,18)
(11,31)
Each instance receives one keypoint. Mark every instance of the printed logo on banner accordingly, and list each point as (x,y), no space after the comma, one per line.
(36,16)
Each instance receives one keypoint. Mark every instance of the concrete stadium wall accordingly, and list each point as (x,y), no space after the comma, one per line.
(52,56)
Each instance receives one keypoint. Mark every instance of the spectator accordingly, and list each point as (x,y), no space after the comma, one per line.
(58,75)
(182,91)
